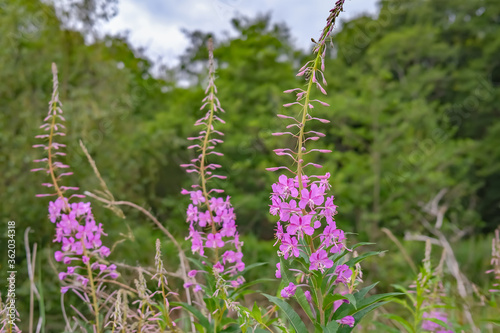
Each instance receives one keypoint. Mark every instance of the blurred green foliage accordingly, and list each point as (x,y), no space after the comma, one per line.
(413,95)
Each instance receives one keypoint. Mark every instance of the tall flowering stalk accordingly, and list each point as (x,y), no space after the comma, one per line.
(425,300)
(211,218)
(78,233)
(311,246)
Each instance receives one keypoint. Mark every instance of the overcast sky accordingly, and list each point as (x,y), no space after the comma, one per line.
(157,24)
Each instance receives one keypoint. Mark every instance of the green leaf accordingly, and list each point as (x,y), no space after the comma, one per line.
(290,313)
(251,266)
(256,312)
(299,293)
(332,298)
(354,261)
(375,298)
(331,327)
(351,310)
(359,315)
(231,329)
(403,322)
(381,327)
(351,299)
(198,315)
(439,322)
(361,244)
(237,292)
(360,294)
(493,321)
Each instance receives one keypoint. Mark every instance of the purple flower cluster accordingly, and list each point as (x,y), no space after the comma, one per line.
(76,229)
(80,239)
(218,219)
(211,219)
(301,216)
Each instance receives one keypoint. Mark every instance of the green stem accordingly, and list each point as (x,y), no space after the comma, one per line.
(202,165)
(301,137)
(92,286)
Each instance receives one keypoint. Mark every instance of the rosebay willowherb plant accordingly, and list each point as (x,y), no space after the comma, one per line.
(426,301)
(213,231)
(211,219)
(313,265)
(82,250)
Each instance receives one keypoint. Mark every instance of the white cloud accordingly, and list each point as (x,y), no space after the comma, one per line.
(157,24)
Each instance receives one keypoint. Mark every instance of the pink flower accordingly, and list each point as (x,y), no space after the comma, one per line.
(319,261)
(278,271)
(58,255)
(231,257)
(228,229)
(289,291)
(331,236)
(274,207)
(192,213)
(279,233)
(196,242)
(81,208)
(329,210)
(218,267)
(347,320)
(214,240)
(197,197)
(343,273)
(299,225)
(105,251)
(204,219)
(285,187)
(312,197)
(289,246)
(286,209)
